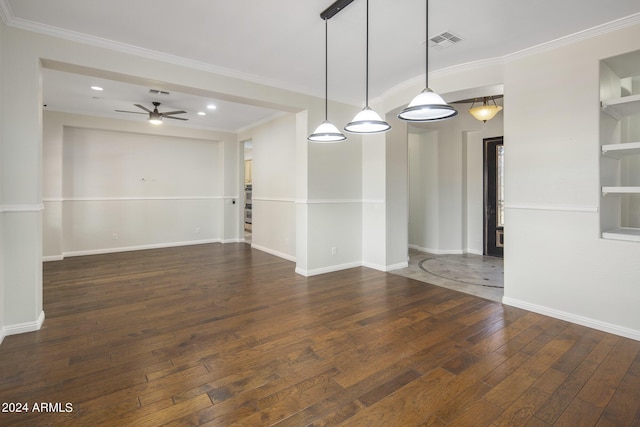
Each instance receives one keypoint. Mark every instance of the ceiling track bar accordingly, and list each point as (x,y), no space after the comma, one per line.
(336,7)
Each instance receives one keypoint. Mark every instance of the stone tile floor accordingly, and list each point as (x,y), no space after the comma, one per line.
(478,275)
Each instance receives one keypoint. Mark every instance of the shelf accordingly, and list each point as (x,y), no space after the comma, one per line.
(622,107)
(624,233)
(617,151)
(620,190)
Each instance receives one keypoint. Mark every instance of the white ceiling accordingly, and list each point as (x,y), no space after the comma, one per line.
(281,43)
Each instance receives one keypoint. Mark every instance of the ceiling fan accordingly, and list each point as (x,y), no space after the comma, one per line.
(155,116)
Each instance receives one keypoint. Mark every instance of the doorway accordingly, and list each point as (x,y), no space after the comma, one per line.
(494,196)
(248,190)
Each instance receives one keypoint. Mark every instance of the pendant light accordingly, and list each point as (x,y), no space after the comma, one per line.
(427,106)
(326,132)
(367,120)
(485,111)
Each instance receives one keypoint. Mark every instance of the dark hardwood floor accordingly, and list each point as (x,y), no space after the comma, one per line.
(223,335)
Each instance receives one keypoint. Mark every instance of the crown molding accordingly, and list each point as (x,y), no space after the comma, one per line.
(11,21)
(5,12)
(533,50)
(599,30)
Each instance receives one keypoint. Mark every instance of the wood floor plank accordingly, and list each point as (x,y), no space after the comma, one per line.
(625,404)
(605,380)
(220,335)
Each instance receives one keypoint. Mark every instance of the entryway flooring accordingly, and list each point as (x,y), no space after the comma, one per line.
(477,275)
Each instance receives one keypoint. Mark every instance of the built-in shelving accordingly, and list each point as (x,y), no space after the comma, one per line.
(622,107)
(619,163)
(620,190)
(618,151)
(623,233)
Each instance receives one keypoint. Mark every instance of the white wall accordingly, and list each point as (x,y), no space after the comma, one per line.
(555,260)
(108,177)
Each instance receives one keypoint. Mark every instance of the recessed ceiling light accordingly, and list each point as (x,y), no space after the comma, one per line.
(202,113)
(211,107)
(98,88)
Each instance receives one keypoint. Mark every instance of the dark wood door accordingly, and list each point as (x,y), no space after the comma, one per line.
(494,196)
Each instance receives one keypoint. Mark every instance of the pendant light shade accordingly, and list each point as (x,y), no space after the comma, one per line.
(367,120)
(326,132)
(485,111)
(427,106)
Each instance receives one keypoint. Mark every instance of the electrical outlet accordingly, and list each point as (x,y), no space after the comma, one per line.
(114,236)
(197,230)
(334,250)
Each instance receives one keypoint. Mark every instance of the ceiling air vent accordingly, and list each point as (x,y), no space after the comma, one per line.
(158,92)
(444,40)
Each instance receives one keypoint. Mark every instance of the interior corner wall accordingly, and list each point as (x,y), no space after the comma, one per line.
(374,213)
(2,180)
(274,186)
(334,197)
(556,262)
(423,191)
(231,175)
(21,181)
(397,193)
(302,188)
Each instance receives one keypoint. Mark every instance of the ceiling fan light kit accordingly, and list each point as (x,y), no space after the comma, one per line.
(155,116)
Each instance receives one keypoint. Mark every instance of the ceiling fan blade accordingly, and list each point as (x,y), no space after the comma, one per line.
(171,117)
(168,113)
(143,107)
(125,111)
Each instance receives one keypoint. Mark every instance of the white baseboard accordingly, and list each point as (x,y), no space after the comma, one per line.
(473,251)
(437,251)
(2,335)
(338,267)
(385,268)
(573,318)
(276,253)
(127,249)
(329,269)
(21,328)
(446,251)
(239,240)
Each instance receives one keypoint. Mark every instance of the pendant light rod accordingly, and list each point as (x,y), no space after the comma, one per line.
(326,132)
(336,7)
(326,68)
(426,44)
(366,78)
